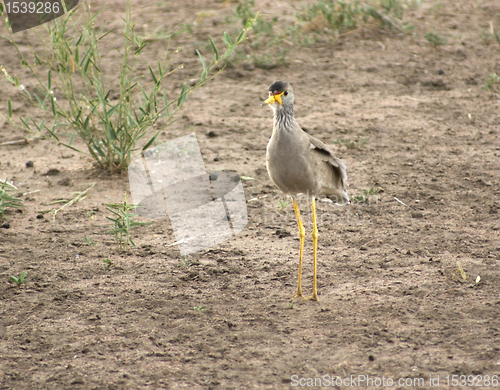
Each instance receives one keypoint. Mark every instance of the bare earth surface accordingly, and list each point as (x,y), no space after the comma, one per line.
(392,301)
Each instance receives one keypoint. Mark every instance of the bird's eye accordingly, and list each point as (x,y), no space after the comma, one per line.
(285,93)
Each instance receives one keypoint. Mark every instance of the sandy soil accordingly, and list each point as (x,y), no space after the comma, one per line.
(392,301)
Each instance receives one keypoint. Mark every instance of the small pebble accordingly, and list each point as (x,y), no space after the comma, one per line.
(29,164)
(282,233)
(249,66)
(52,172)
(440,72)
(65,182)
(39,216)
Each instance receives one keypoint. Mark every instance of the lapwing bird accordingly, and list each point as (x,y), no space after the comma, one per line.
(298,163)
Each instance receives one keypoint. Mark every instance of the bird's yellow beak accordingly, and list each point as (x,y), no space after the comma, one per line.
(273,99)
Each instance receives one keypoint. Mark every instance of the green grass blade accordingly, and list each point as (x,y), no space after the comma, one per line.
(25,123)
(23,275)
(151,140)
(201,60)
(42,125)
(42,104)
(241,36)
(153,75)
(183,96)
(214,49)
(227,39)
(160,70)
(53,103)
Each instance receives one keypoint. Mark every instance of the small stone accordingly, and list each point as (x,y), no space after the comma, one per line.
(440,72)
(216,159)
(282,233)
(211,133)
(66,182)
(78,381)
(417,214)
(40,216)
(52,172)
(371,358)
(30,164)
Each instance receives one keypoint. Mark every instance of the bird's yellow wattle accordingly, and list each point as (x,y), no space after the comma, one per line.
(274,98)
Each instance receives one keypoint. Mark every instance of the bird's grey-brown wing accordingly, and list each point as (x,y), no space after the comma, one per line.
(327,155)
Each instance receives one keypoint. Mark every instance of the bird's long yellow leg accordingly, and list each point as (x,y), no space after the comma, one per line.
(302,233)
(314,295)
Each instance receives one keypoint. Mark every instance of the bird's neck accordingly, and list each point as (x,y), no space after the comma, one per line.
(284,119)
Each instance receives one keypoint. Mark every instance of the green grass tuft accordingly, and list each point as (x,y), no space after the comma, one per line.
(7,199)
(435,39)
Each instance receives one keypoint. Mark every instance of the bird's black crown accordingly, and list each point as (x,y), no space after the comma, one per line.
(278,86)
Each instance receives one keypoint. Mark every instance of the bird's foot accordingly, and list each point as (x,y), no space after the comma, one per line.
(298,294)
(313,297)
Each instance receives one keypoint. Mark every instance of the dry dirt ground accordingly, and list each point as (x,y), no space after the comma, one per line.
(392,301)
